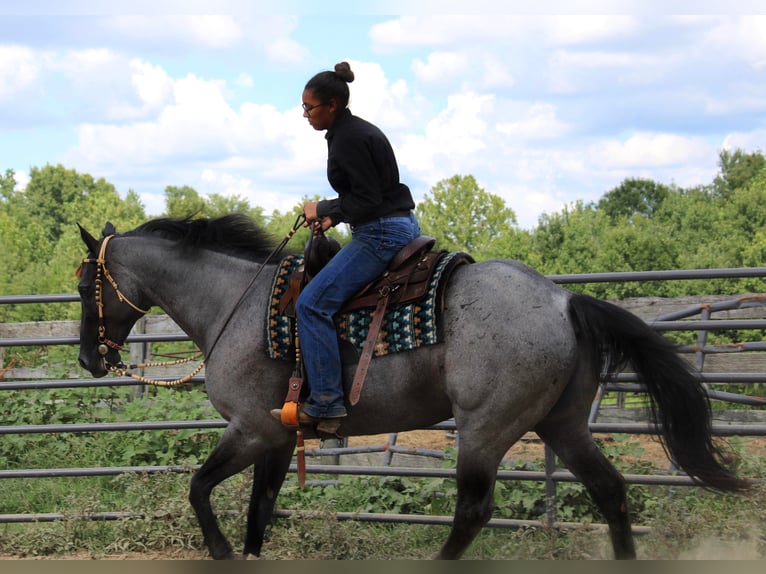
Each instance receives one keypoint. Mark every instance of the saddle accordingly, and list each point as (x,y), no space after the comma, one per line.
(405,280)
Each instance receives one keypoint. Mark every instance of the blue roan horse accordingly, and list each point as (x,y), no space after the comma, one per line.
(519,354)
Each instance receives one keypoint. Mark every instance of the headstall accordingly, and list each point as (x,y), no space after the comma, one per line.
(104,343)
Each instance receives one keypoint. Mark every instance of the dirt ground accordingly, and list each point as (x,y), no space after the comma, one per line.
(529,448)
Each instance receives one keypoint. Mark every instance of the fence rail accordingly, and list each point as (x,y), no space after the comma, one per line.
(730,365)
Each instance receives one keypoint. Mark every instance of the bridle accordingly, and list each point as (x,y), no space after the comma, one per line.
(105,343)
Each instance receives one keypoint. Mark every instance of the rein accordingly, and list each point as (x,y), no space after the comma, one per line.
(105,343)
(296,226)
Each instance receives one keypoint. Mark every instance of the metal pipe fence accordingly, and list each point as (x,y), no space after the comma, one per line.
(622,384)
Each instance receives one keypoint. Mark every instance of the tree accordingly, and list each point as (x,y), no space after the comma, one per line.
(737,168)
(183,202)
(568,242)
(633,197)
(217,205)
(462,216)
(279,224)
(39,237)
(7,184)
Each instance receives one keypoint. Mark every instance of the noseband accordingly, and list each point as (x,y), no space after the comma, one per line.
(104,342)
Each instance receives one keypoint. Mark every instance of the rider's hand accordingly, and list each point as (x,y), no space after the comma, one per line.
(313,219)
(310,211)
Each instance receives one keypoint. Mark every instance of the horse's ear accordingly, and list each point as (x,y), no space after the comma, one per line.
(89,240)
(108,229)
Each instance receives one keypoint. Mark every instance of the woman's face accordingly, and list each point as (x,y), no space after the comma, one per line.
(320,114)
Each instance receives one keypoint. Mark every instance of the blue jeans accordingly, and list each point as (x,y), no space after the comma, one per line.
(364,258)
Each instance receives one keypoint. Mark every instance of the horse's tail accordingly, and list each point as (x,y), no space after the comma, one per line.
(679,403)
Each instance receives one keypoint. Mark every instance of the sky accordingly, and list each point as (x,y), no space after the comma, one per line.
(544,107)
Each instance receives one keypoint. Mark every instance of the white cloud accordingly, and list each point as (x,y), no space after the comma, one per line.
(154,203)
(105,85)
(437,31)
(539,123)
(495,74)
(19,70)
(742,36)
(377,99)
(571,72)
(750,141)
(211,31)
(245,80)
(440,67)
(505,29)
(527,201)
(153,86)
(650,150)
(579,29)
(451,140)
(284,50)
(21,178)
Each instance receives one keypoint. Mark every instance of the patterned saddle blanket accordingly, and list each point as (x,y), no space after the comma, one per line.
(405,326)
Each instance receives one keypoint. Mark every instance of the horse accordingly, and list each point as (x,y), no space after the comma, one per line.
(519,353)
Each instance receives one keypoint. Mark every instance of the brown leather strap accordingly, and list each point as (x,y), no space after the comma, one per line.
(418,245)
(368,350)
(300,453)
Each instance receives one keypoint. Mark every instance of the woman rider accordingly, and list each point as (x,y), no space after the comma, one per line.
(362,169)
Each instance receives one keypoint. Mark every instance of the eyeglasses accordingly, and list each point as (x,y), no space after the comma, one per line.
(307,109)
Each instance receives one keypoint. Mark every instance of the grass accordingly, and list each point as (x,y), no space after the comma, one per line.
(686,523)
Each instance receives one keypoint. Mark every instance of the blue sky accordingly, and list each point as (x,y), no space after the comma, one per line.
(542,109)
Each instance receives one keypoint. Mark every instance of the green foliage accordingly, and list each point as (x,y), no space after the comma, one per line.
(633,197)
(462,216)
(110,404)
(279,224)
(185,201)
(737,169)
(40,244)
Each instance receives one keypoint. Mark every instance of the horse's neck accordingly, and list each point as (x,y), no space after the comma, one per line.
(198,293)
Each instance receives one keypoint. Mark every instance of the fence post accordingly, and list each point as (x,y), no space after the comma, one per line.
(138,355)
(341,442)
(550,487)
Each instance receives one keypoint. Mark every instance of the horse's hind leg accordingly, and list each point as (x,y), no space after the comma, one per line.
(476,474)
(267,482)
(574,445)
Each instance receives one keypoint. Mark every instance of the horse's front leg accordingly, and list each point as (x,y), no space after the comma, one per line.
(268,477)
(230,456)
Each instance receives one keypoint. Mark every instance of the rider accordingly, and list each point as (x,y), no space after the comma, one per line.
(362,169)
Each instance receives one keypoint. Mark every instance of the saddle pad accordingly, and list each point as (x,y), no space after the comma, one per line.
(405,327)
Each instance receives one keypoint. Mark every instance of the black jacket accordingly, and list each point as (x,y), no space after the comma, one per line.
(362,169)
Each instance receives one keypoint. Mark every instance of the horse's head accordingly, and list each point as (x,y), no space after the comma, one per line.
(107,313)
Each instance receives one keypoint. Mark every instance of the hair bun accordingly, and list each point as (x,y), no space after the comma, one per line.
(343,71)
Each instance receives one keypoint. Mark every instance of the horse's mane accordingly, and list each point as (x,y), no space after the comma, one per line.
(234,234)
